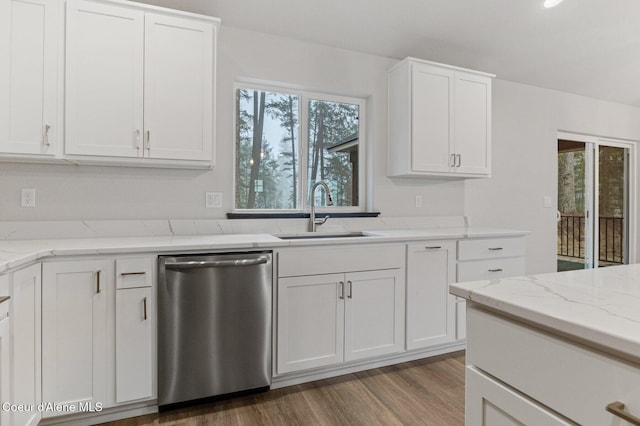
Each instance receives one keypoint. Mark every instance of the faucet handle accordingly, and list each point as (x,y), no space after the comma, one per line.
(320,221)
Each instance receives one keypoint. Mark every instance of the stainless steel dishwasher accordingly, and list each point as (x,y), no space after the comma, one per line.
(214,325)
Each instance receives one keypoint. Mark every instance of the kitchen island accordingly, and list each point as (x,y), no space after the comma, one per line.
(556,349)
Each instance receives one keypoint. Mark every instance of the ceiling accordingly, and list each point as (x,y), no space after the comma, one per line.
(587,47)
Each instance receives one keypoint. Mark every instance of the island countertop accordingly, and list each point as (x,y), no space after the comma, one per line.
(597,306)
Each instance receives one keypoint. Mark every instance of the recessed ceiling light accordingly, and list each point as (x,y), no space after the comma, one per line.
(551,3)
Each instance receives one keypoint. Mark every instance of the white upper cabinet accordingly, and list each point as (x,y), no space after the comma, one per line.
(139,85)
(30,58)
(178,88)
(105,46)
(439,121)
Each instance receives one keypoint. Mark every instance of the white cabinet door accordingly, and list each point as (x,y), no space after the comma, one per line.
(374,313)
(26,311)
(472,123)
(178,85)
(74,332)
(431,310)
(104,81)
(29,90)
(310,322)
(490,403)
(431,118)
(134,344)
(5,365)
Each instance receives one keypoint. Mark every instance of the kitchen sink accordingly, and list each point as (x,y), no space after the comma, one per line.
(318,235)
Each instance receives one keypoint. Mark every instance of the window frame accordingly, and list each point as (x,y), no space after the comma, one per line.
(304,97)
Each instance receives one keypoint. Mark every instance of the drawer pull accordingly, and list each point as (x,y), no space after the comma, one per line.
(341,290)
(433,247)
(495,270)
(98,281)
(495,248)
(617,409)
(124,274)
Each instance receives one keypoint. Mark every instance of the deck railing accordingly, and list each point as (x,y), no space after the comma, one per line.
(571,237)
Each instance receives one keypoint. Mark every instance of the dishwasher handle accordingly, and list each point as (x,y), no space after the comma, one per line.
(196,264)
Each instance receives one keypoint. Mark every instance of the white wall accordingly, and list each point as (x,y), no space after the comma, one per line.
(92,192)
(526,120)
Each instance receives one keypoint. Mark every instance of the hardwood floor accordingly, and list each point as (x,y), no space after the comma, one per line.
(423,392)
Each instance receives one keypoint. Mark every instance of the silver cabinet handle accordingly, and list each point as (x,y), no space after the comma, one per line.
(459,157)
(98,282)
(144,303)
(433,247)
(148,140)
(453,160)
(617,409)
(216,263)
(350,289)
(341,291)
(138,139)
(124,274)
(45,137)
(495,248)
(495,270)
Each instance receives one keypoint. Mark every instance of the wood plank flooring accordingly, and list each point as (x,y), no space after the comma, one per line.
(424,392)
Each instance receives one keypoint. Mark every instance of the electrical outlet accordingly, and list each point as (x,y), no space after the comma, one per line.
(213,200)
(28,197)
(418,201)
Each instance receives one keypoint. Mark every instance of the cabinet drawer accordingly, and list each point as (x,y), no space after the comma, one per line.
(571,379)
(490,269)
(336,259)
(134,272)
(490,248)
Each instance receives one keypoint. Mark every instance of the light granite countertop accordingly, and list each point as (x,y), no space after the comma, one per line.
(17,253)
(594,306)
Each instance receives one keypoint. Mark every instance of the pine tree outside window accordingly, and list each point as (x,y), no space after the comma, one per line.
(287,141)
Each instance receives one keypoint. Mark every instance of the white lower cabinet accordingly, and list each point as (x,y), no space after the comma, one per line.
(338,304)
(374,313)
(98,333)
(26,335)
(491,403)
(487,259)
(134,330)
(74,334)
(431,310)
(5,351)
(310,322)
(332,318)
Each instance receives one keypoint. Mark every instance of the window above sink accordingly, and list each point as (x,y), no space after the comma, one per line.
(287,140)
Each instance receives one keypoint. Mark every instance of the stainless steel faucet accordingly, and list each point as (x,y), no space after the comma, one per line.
(312,217)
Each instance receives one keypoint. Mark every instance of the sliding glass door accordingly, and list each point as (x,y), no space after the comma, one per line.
(593,202)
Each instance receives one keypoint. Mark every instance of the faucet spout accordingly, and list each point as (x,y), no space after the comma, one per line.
(312,215)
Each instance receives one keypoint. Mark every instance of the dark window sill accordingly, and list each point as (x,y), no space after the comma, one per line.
(300,215)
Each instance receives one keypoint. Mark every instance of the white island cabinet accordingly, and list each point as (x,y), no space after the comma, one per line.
(554,349)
